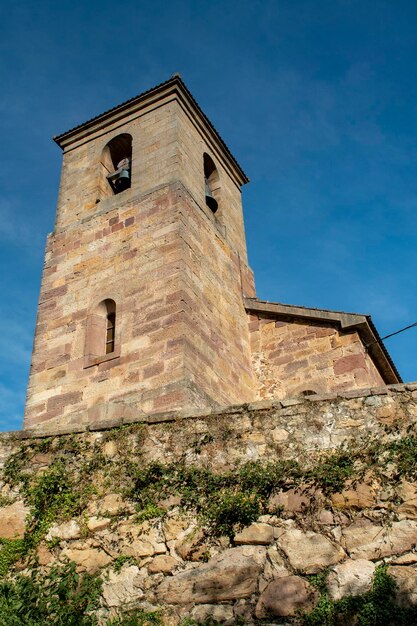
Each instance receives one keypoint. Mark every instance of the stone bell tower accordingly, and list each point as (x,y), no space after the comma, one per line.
(141,307)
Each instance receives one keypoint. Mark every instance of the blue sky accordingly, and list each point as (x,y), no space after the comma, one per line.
(316,99)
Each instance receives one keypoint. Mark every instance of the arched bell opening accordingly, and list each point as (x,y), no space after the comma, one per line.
(212,183)
(116,160)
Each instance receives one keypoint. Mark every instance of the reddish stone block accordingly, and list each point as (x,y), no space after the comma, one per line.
(129,221)
(349,363)
(325,332)
(61,400)
(117,227)
(153,370)
(291,368)
(113,220)
(54,293)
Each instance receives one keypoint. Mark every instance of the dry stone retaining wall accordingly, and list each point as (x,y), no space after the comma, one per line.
(262,570)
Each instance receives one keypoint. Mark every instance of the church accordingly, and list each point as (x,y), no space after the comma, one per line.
(148,303)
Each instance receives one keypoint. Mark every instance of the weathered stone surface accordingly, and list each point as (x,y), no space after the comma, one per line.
(406,579)
(173,527)
(12,520)
(112,504)
(351,578)
(88,559)
(405,559)
(295,500)
(408,508)
(163,563)
(309,551)
(361,496)
(275,567)
(326,518)
(98,523)
(221,613)
(123,588)
(364,540)
(67,530)
(140,540)
(255,534)
(45,557)
(228,576)
(139,548)
(188,547)
(286,597)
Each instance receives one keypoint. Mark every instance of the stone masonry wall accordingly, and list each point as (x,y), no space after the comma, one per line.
(292,357)
(170,560)
(174,270)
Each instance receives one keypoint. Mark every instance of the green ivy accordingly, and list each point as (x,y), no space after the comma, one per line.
(11,550)
(377,607)
(62,598)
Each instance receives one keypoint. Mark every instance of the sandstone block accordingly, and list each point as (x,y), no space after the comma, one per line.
(44,555)
(67,530)
(12,520)
(187,546)
(361,496)
(255,534)
(409,558)
(228,576)
(294,500)
(364,540)
(308,551)
(173,527)
(112,504)
(285,597)
(408,509)
(88,559)
(162,563)
(351,578)
(123,588)
(98,523)
(217,613)
(406,579)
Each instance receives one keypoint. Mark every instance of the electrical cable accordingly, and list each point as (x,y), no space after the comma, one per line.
(397,332)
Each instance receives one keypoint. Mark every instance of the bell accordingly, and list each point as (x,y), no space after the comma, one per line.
(120,179)
(210,199)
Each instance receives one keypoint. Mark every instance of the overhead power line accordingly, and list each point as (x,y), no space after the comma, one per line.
(397,332)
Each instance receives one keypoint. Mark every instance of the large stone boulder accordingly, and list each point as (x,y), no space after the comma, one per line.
(12,520)
(365,540)
(87,559)
(406,579)
(287,596)
(123,588)
(359,496)
(309,552)
(66,530)
(351,578)
(228,576)
(255,534)
(163,563)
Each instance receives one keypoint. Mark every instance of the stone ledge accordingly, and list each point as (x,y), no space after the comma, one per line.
(280,406)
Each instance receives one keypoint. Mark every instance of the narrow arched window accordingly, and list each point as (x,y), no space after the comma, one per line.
(116,162)
(102,340)
(212,183)
(110,332)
